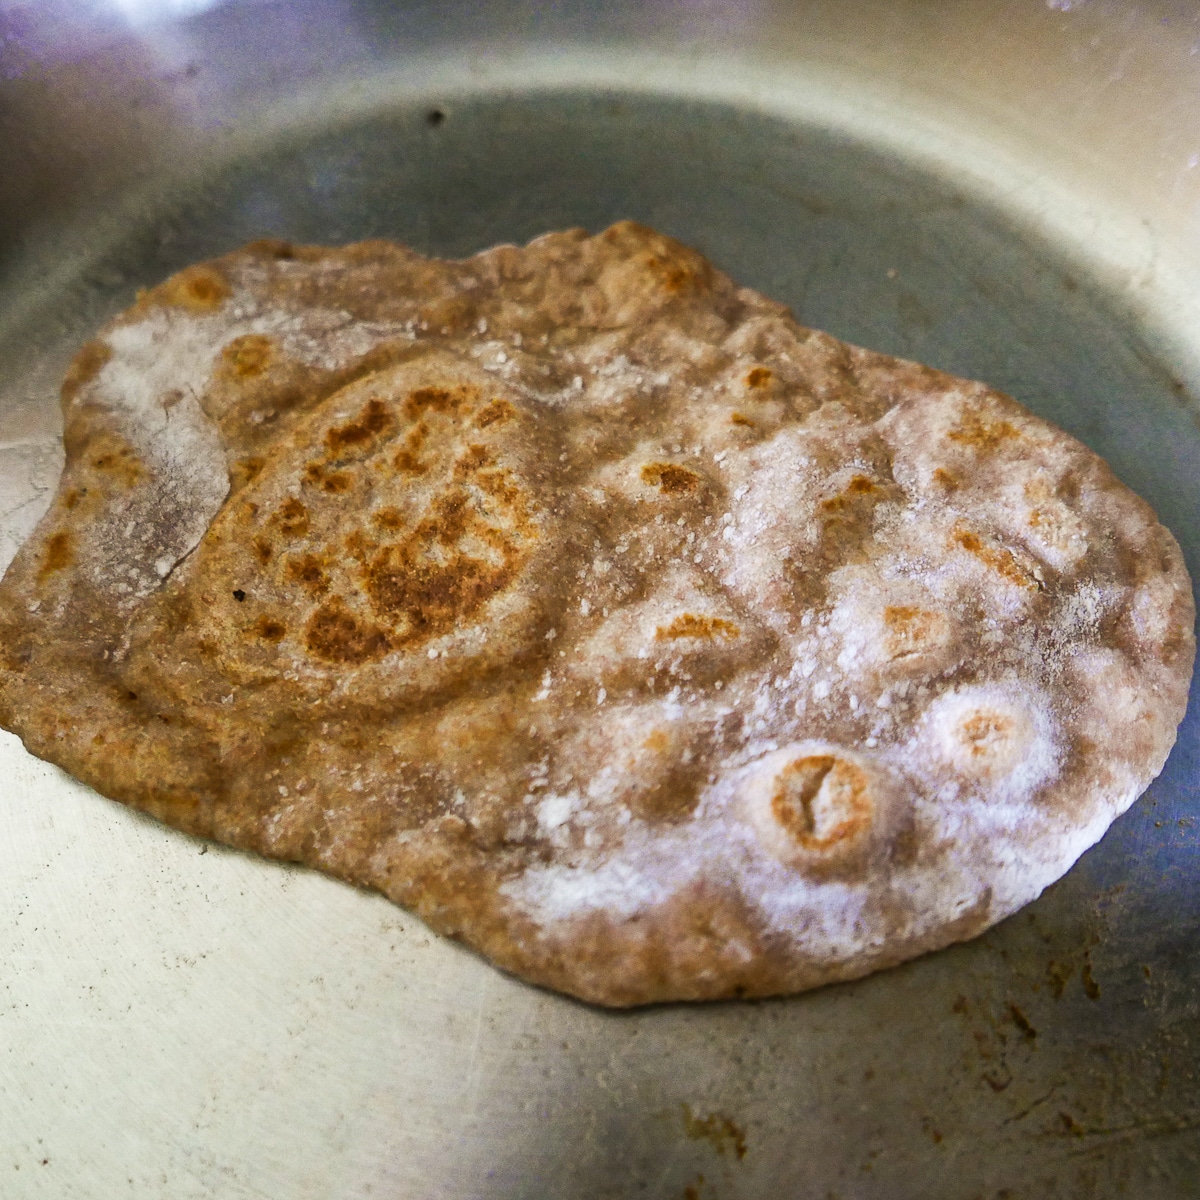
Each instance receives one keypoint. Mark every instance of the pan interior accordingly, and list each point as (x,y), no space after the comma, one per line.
(877,251)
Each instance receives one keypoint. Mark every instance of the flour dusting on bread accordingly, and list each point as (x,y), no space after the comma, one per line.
(589,606)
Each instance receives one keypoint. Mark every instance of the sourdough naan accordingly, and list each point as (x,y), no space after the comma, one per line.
(585,604)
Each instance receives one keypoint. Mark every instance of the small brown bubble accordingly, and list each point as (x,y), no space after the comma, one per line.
(337,482)
(116,459)
(671,479)
(822,802)
(998,558)
(981,432)
(679,274)
(270,629)
(912,631)
(688,625)
(335,635)
(200,289)
(439,400)
(59,554)
(371,423)
(407,462)
(291,518)
(249,355)
(389,518)
(245,470)
(308,572)
(495,412)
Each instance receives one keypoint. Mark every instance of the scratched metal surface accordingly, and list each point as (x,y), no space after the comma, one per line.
(177,1019)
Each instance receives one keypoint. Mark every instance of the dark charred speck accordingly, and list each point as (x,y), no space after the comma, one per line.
(239,595)
(435,116)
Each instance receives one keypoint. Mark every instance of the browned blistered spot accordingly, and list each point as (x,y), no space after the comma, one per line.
(359,546)
(117,459)
(500,486)
(85,366)
(716,1129)
(245,470)
(847,525)
(658,741)
(670,478)
(848,517)
(390,519)
(335,635)
(263,549)
(980,732)
(947,479)
(270,629)
(738,419)
(688,625)
(857,488)
(498,410)
(407,459)
(442,400)
(307,571)
(758,377)
(678,274)
(71,497)
(429,597)
(471,460)
(59,554)
(99,740)
(1046,521)
(291,518)
(982,433)
(837,504)
(449,517)
(840,819)
(425,586)
(336,482)
(200,289)
(374,421)
(408,462)
(911,630)
(997,558)
(249,355)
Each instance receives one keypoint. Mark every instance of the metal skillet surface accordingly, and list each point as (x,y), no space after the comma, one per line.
(180,1020)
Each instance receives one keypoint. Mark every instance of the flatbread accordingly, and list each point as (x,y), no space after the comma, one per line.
(587,605)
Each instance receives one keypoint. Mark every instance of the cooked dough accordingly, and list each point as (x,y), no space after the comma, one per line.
(584,603)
